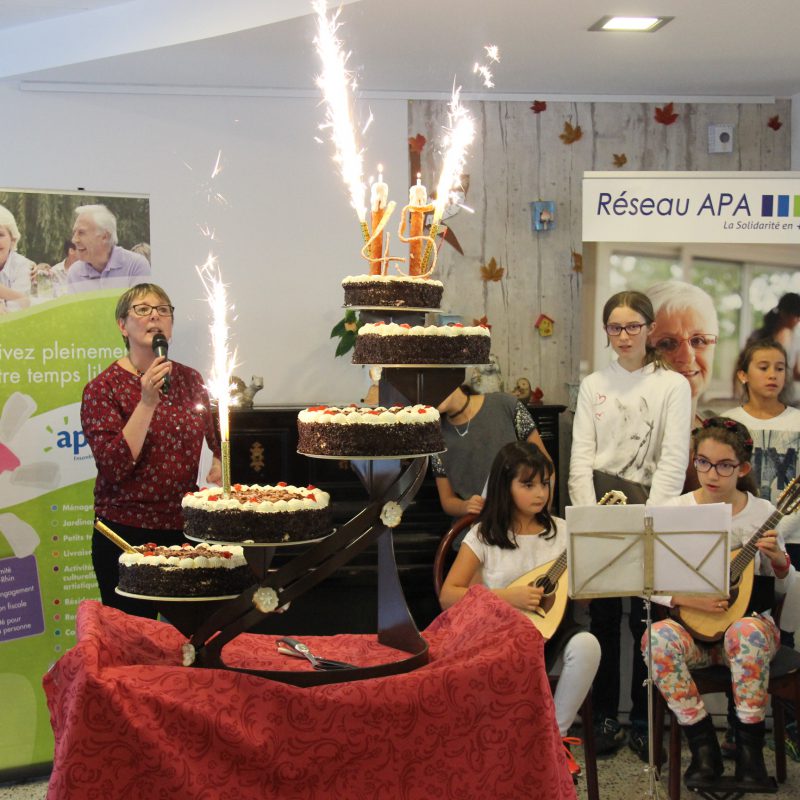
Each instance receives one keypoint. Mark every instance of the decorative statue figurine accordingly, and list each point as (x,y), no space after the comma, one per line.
(241,395)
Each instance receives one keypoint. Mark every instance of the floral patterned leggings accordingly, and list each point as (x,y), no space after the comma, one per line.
(746,649)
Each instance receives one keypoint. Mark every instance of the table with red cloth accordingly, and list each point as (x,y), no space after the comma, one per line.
(476,722)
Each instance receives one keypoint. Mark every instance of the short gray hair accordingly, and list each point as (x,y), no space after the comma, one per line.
(10,224)
(101,217)
(680,295)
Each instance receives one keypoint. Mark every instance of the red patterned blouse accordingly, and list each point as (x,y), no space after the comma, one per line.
(146,493)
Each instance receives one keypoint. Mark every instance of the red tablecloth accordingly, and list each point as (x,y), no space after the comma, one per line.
(477,722)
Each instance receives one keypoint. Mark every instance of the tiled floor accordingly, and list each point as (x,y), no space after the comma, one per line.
(621,777)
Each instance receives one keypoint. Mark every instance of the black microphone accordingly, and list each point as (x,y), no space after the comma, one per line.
(160,347)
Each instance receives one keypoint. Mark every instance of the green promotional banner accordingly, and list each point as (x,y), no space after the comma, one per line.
(48,353)
(55,336)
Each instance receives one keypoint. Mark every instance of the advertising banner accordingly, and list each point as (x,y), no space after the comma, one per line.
(742,207)
(54,337)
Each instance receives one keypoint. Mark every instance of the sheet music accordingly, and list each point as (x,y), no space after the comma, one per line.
(687,549)
(610,552)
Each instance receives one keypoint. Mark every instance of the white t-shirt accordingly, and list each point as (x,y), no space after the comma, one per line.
(500,567)
(776,443)
(634,425)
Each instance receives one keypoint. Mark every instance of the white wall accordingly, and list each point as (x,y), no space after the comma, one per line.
(285,240)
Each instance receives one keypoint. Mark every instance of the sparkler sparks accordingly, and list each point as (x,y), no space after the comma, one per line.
(223,362)
(335,82)
(459,134)
(484,70)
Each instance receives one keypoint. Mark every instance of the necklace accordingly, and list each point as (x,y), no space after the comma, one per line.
(466,430)
(462,410)
(136,369)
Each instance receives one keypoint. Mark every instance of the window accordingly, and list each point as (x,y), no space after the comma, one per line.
(745,282)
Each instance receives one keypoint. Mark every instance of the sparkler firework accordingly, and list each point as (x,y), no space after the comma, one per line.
(335,82)
(219,385)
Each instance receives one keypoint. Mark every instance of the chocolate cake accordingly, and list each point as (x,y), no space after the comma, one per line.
(365,432)
(390,343)
(392,291)
(185,571)
(261,514)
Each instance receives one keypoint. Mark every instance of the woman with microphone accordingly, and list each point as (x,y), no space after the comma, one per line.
(145,419)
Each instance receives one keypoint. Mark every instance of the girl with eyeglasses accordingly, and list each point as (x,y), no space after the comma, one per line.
(723,451)
(145,419)
(631,432)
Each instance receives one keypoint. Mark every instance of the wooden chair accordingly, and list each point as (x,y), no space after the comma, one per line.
(784,685)
(441,564)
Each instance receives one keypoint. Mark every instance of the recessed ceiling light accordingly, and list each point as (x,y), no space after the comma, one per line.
(635,24)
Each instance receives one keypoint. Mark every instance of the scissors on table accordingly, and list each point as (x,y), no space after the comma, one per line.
(292,647)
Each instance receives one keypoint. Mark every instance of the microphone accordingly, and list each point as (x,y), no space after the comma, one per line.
(160,347)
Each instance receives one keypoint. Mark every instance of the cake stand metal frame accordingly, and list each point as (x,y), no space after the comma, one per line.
(396,627)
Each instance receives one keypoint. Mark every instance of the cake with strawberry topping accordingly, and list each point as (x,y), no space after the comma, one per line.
(364,432)
(393,343)
(184,571)
(262,514)
(392,291)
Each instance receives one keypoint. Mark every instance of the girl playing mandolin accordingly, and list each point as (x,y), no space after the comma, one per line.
(514,534)
(722,452)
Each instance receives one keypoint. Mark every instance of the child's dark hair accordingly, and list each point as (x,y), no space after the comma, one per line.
(521,460)
(746,356)
(640,303)
(732,433)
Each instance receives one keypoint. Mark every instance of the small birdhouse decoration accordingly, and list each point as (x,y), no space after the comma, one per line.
(544,325)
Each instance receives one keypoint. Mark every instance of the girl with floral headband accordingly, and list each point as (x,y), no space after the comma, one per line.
(722,451)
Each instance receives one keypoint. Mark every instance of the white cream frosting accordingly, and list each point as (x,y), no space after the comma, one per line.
(390,279)
(395,329)
(236,559)
(353,415)
(212,499)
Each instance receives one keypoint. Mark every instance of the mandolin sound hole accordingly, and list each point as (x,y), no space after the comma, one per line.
(545,583)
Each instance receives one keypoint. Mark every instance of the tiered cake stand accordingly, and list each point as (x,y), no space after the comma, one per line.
(391,483)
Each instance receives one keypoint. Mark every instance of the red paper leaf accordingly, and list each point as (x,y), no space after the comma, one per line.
(417,143)
(775,123)
(539,106)
(666,115)
(620,159)
(570,134)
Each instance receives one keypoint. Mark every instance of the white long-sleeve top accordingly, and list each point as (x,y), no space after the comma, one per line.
(635,425)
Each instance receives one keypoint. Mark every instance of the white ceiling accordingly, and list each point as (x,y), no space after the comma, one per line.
(713,48)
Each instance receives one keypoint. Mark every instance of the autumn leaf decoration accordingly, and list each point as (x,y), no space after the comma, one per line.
(539,106)
(620,159)
(417,143)
(492,271)
(483,322)
(577,262)
(347,330)
(570,134)
(775,123)
(666,115)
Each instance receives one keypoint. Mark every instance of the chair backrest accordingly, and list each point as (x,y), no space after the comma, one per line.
(444,551)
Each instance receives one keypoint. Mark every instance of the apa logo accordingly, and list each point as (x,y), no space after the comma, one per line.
(68,439)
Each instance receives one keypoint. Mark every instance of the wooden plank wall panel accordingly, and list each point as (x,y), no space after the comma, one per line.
(517,158)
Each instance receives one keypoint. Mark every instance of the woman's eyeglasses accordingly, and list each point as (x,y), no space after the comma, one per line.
(144,310)
(724,468)
(697,342)
(634,328)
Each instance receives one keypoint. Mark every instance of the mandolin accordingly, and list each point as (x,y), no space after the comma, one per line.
(553,578)
(709,627)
